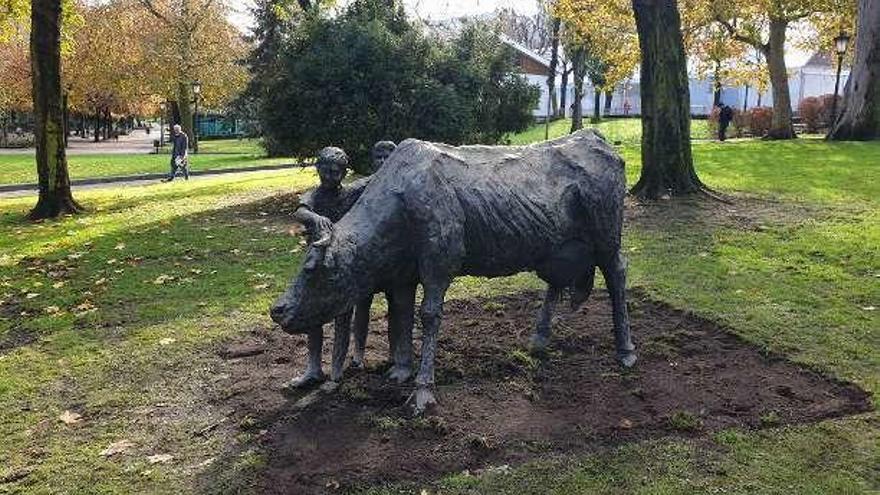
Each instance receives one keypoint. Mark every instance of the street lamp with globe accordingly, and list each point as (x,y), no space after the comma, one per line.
(162,107)
(841,41)
(197,89)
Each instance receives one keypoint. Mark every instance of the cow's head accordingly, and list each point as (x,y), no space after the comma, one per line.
(319,292)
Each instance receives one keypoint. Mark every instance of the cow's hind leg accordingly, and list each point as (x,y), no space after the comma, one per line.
(539,340)
(614,272)
(431,314)
(401,313)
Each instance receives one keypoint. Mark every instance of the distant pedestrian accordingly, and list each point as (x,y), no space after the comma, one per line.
(725,116)
(179,154)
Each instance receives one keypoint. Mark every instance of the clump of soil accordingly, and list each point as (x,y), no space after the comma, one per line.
(500,405)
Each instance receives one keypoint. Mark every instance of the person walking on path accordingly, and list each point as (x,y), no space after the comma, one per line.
(725,115)
(179,156)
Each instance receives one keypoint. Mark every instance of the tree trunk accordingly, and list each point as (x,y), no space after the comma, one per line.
(597,104)
(716,85)
(781,126)
(859,116)
(55,197)
(563,92)
(184,104)
(97,125)
(554,62)
(667,164)
(579,67)
(609,94)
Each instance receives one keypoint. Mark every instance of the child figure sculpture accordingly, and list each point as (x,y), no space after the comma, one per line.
(318,210)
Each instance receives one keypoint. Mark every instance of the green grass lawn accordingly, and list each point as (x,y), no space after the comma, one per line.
(626,131)
(116,315)
(213,155)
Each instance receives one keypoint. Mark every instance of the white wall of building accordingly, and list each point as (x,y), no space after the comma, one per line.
(804,82)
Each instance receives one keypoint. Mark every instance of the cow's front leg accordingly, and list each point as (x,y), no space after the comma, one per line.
(539,340)
(401,313)
(361,329)
(341,336)
(431,314)
(313,374)
(615,279)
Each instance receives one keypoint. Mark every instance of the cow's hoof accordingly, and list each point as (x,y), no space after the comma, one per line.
(538,344)
(307,380)
(336,375)
(627,360)
(399,374)
(421,400)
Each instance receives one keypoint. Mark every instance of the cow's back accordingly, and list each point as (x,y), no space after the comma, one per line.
(509,207)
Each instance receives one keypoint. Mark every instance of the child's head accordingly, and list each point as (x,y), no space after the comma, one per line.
(381,151)
(332,164)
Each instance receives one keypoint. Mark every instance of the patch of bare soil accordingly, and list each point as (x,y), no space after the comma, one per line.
(743,212)
(500,406)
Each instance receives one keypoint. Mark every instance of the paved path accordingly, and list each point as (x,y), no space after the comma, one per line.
(136,142)
(20,190)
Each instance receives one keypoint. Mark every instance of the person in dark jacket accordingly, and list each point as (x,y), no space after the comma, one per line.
(725,116)
(179,155)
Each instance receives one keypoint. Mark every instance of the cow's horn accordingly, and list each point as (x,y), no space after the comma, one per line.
(322,242)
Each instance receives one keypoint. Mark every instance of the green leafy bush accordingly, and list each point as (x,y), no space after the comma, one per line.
(369,74)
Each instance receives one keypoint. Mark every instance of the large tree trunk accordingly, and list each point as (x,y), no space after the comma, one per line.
(579,67)
(859,116)
(667,164)
(781,126)
(554,62)
(184,104)
(55,197)
(563,92)
(609,94)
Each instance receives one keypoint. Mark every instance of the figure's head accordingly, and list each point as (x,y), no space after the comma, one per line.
(332,166)
(318,293)
(381,151)
(176,129)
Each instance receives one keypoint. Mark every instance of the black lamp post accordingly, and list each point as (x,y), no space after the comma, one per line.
(840,45)
(162,107)
(197,89)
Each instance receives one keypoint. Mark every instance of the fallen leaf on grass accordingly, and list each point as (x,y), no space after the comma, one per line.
(58,285)
(161,279)
(160,458)
(52,310)
(70,418)
(868,308)
(167,341)
(31,295)
(100,281)
(120,246)
(261,286)
(117,448)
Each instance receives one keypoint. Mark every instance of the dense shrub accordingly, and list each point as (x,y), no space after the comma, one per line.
(827,106)
(740,123)
(810,111)
(370,74)
(759,121)
(712,123)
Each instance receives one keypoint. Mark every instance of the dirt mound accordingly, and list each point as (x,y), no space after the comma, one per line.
(499,405)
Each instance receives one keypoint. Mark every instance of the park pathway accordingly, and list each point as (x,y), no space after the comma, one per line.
(20,190)
(135,143)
